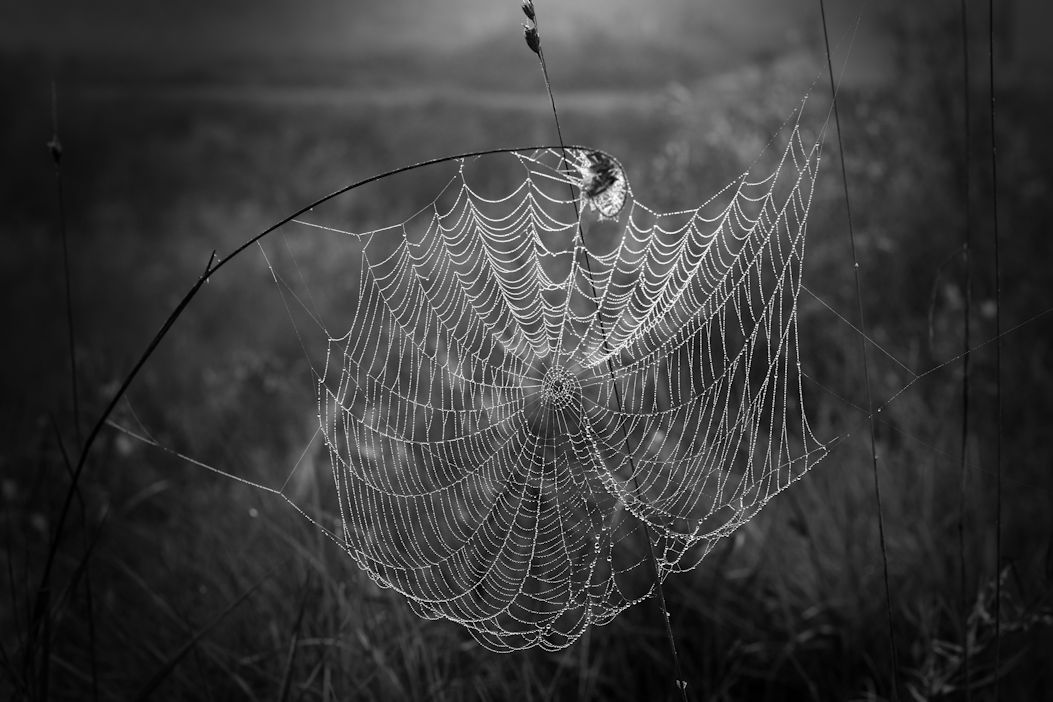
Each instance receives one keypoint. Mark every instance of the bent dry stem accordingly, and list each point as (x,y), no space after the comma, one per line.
(213,266)
(686,508)
(533,38)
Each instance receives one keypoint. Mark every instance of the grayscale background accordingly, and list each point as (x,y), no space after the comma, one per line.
(187,127)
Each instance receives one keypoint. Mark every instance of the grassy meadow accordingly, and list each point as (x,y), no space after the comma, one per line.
(173,582)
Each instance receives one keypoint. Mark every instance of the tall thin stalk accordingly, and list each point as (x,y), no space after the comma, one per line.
(533,39)
(868,400)
(55,147)
(998,351)
(213,266)
(966,341)
(40,622)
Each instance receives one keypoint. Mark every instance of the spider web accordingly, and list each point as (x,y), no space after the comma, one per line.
(530,376)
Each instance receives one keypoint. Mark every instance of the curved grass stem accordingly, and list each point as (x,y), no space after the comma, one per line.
(966,342)
(213,266)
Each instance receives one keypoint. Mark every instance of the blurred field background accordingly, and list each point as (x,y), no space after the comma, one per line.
(188,129)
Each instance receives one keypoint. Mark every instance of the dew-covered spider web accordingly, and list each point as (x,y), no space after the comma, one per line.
(534,382)
(536,365)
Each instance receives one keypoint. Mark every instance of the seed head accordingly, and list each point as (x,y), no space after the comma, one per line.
(528,10)
(533,40)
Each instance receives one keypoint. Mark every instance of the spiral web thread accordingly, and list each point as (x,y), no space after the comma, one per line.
(486,465)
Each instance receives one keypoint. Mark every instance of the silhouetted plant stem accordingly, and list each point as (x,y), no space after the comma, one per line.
(534,42)
(869,404)
(55,148)
(998,354)
(212,267)
(40,622)
(89,545)
(966,341)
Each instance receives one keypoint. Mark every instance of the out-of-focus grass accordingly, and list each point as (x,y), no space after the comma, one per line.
(790,607)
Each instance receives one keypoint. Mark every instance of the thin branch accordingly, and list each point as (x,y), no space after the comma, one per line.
(55,148)
(966,341)
(534,42)
(998,350)
(869,404)
(213,266)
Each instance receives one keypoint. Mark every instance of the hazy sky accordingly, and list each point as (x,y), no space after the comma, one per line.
(333,28)
(167,32)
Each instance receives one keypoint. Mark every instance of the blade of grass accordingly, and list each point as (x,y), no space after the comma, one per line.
(41,603)
(55,148)
(44,671)
(998,348)
(162,673)
(966,332)
(7,667)
(868,398)
(294,643)
(83,569)
(12,587)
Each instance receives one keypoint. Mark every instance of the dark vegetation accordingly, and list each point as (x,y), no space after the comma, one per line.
(147,587)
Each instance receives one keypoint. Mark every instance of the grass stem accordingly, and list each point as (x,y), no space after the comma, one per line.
(966,341)
(55,148)
(869,404)
(998,352)
(211,268)
(681,683)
